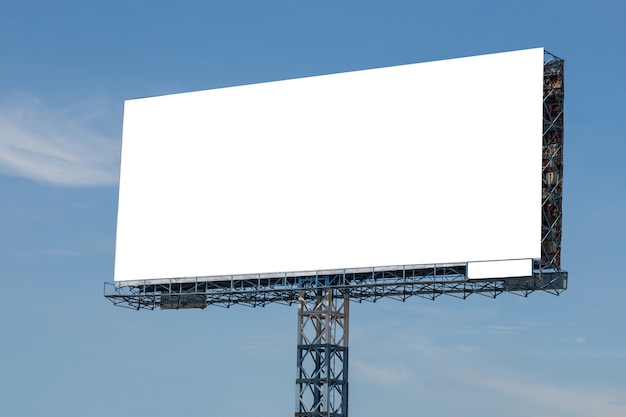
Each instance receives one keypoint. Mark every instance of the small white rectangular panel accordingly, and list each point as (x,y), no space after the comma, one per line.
(414,164)
(500,269)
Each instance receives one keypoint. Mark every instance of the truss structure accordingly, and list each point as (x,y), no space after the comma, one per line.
(322,382)
(366,284)
(552,167)
(323,296)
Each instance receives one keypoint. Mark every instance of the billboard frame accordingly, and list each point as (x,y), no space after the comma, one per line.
(401,281)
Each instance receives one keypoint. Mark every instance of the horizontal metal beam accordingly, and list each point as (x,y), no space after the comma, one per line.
(256,291)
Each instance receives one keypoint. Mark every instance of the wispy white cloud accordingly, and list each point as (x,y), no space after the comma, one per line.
(403,357)
(531,398)
(378,374)
(499,329)
(56,145)
(274,342)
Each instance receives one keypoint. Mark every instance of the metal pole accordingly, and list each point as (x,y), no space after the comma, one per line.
(322,359)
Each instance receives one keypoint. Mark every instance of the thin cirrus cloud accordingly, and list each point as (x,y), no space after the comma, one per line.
(532,398)
(380,375)
(56,146)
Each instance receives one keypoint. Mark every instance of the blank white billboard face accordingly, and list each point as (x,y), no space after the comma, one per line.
(416,164)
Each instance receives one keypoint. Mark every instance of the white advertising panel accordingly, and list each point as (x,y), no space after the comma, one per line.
(415,164)
(500,269)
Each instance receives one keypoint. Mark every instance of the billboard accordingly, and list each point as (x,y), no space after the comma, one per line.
(436,162)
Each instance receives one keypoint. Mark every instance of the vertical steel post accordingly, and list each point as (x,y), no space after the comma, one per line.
(552,169)
(322,381)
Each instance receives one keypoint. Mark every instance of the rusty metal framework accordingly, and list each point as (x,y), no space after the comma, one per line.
(323,296)
(552,208)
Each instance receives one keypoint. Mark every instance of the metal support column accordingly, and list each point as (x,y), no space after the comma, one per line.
(322,382)
(552,168)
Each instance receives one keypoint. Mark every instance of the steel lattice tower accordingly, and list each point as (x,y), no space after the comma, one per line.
(322,382)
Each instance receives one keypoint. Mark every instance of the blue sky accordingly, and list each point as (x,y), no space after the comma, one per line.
(66,68)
